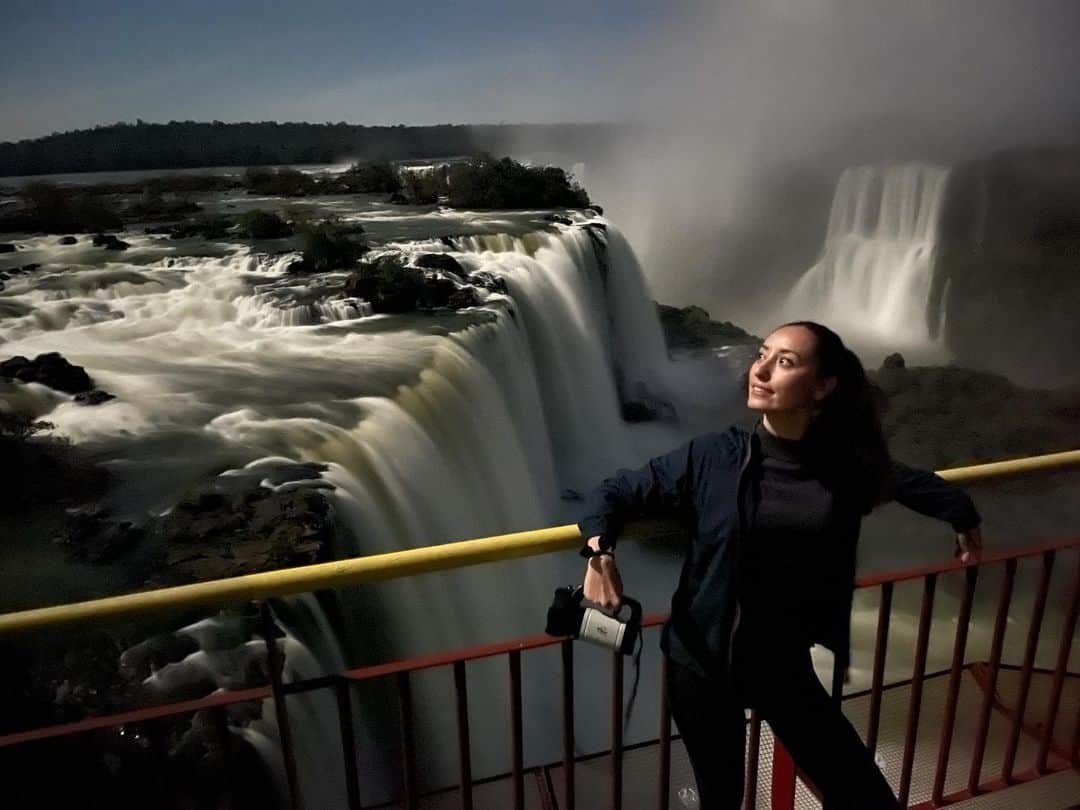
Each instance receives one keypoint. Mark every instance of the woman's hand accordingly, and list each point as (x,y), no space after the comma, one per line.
(603,585)
(969,546)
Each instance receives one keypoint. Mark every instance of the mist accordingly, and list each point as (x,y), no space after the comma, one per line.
(742,116)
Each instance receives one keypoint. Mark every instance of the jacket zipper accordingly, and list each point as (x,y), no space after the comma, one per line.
(739,537)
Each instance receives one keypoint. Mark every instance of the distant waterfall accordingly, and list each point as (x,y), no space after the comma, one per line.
(874,280)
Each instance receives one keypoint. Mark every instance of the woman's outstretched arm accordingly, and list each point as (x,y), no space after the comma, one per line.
(931,495)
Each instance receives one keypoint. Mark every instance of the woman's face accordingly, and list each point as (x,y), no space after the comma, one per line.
(784,376)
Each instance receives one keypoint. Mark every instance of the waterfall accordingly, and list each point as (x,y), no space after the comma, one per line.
(433,427)
(874,280)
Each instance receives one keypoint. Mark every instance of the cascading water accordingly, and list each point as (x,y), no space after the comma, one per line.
(432,427)
(874,280)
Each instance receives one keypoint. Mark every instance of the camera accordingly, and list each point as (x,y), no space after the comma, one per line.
(567,616)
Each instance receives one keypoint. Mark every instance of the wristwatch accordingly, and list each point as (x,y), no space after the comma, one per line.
(606,545)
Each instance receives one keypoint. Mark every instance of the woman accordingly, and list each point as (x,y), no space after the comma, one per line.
(773,516)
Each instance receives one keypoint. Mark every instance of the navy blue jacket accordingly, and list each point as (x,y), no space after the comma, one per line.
(703,484)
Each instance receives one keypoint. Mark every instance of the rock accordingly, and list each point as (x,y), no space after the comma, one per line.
(92,536)
(560,219)
(95,397)
(30,268)
(596,208)
(489,282)
(7,247)
(389,286)
(110,242)
(68,240)
(463,297)
(48,369)
(397,198)
(441,261)
(435,292)
(894,360)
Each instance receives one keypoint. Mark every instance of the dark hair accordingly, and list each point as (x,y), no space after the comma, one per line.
(846,436)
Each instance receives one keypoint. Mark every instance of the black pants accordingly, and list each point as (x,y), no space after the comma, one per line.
(778,680)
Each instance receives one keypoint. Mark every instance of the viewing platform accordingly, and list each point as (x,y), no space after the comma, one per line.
(981,733)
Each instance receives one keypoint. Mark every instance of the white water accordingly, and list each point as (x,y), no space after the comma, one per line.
(434,428)
(874,279)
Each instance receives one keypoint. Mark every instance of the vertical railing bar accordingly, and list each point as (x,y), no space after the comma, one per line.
(881,644)
(665,738)
(1076,740)
(568,722)
(516,730)
(276,664)
(160,759)
(971,575)
(1034,629)
(616,730)
(1067,631)
(996,646)
(753,752)
(461,694)
(408,747)
(783,777)
(220,717)
(926,613)
(342,691)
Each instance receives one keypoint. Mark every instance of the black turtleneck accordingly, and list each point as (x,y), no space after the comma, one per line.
(788,530)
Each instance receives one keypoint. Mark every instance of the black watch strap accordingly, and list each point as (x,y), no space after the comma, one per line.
(606,548)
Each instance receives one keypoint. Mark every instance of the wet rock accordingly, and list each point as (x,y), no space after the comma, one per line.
(48,369)
(435,292)
(7,247)
(462,298)
(894,360)
(93,536)
(489,282)
(595,207)
(389,286)
(95,397)
(441,261)
(30,268)
(67,240)
(110,242)
(560,219)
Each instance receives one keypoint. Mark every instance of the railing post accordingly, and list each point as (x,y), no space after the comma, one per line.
(925,615)
(996,645)
(616,730)
(568,721)
(955,673)
(408,747)
(753,754)
(516,732)
(275,663)
(783,777)
(881,645)
(342,691)
(664,787)
(1067,631)
(1029,663)
(464,749)
(221,727)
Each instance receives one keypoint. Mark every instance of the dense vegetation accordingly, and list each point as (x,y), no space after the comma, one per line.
(190,144)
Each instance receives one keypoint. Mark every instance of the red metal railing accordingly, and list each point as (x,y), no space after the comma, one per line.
(1050,756)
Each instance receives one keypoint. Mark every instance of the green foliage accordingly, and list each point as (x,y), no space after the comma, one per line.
(426,187)
(52,209)
(282,182)
(387,284)
(192,144)
(260,224)
(485,182)
(369,178)
(331,245)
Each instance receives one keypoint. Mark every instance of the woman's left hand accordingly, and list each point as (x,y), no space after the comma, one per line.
(969,546)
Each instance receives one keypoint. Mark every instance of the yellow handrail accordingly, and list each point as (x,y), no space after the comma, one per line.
(396,564)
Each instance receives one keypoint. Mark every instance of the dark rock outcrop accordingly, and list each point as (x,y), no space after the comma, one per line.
(68,240)
(95,397)
(110,242)
(441,261)
(7,247)
(691,328)
(48,369)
